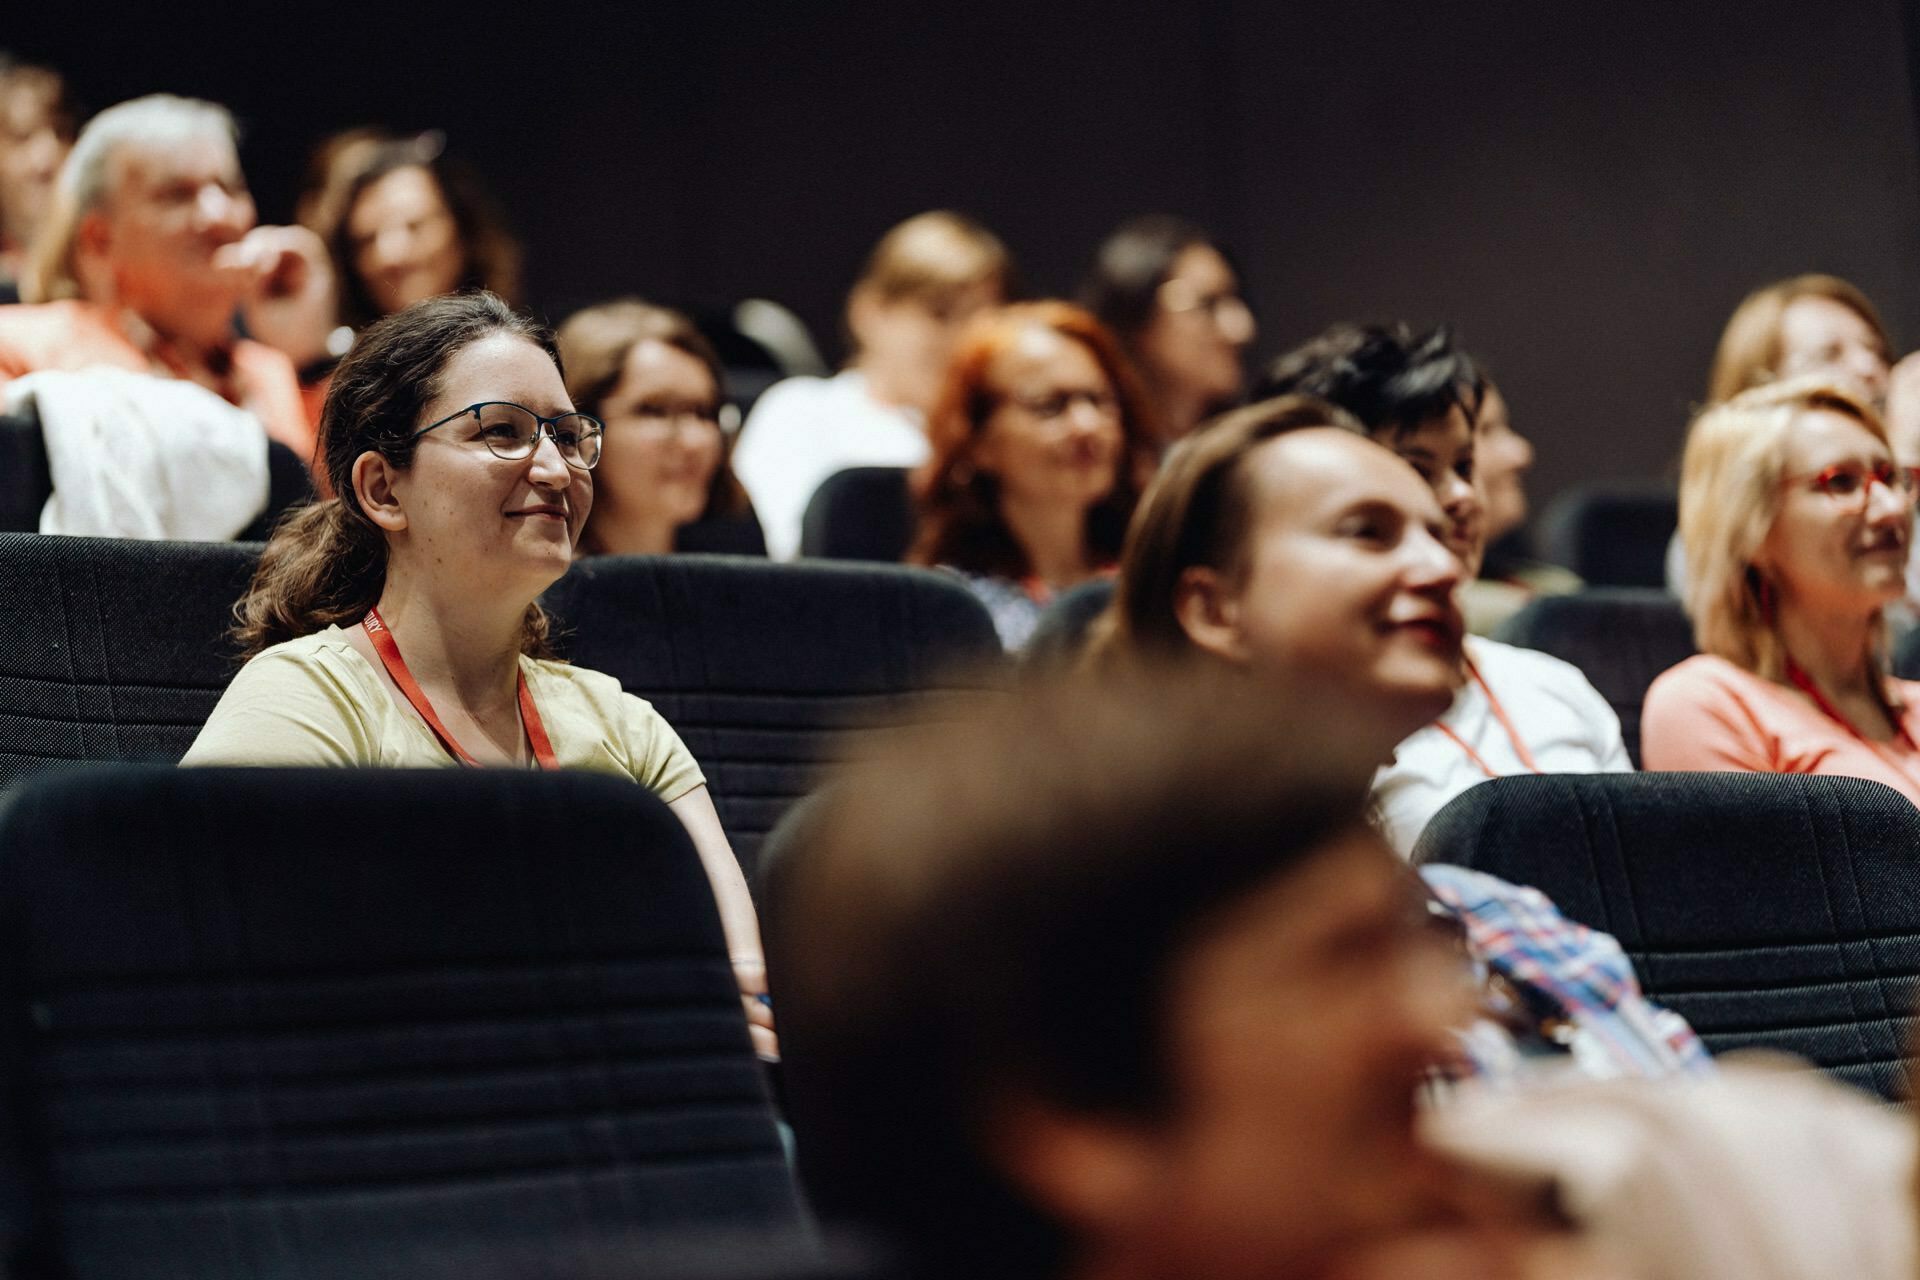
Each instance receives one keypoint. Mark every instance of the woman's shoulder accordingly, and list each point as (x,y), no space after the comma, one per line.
(325,650)
(1512,669)
(584,691)
(1704,674)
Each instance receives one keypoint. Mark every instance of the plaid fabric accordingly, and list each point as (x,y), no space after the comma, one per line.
(1519,934)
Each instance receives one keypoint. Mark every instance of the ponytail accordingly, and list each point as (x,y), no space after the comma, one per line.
(324,566)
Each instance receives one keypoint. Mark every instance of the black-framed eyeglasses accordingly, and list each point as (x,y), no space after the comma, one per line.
(512,431)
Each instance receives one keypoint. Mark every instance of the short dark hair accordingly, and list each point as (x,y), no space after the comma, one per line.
(1386,375)
(995,910)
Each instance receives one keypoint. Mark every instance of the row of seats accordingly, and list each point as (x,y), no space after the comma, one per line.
(117,650)
(1610,536)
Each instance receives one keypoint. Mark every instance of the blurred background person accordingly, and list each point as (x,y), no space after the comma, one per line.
(332,166)
(1509,573)
(149,251)
(1172,295)
(1040,445)
(1798,526)
(412,223)
(924,280)
(36,132)
(1515,710)
(1807,324)
(655,383)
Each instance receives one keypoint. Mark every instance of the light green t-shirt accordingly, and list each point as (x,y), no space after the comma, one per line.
(316,701)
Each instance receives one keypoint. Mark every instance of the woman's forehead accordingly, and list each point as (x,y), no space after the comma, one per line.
(1304,473)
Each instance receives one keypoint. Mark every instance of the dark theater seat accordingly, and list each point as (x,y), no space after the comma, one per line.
(762,667)
(862,513)
(1621,638)
(366,1023)
(112,649)
(1770,911)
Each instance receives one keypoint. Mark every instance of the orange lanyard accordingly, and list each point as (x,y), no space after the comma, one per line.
(1500,714)
(389,650)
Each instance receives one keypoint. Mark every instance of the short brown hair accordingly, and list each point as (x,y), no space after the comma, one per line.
(960,520)
(1749,350)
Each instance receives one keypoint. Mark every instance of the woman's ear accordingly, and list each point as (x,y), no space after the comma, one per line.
(373,477)
(1094,1174)
(1209,612)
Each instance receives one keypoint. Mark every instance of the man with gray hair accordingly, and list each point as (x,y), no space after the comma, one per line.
(149,252)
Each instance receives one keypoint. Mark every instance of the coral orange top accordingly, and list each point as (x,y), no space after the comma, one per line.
(73,335)
(1707,713)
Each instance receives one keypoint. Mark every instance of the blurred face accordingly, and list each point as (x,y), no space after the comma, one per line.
(1501,458)
(662,441)
(1347,577)
(1839,543)
(1299,1029)
(905,342)
(488,523)
(170,208)
(1442,452)
(1199,327)
(1820,335)
(33,144)
(1055,438)
(405,242)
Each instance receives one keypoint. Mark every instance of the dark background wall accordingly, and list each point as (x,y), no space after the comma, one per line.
(1584,190)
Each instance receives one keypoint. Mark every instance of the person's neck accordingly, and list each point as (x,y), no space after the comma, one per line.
(459,643)
(1181,410)
(630,533)
(201,343)
(888,389)
(1054,538)
(1834,647)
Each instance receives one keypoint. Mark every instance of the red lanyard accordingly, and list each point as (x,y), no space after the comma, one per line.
(1805,684)
(389,650)
(1500,714)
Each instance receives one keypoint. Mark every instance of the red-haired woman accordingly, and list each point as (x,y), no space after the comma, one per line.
(1040,445)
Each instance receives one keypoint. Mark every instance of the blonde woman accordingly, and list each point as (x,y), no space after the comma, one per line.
(1797,523)
(924,280)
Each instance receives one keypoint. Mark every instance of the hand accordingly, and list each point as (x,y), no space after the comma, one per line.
(286,284)
(750,972)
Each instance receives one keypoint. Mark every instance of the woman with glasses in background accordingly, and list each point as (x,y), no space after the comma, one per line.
(1040,446)
(1172,296)
(396,623)
(654,382)
(1797,524)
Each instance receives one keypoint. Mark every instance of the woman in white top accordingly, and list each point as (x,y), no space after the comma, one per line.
(925,279)
(1514,710)
(395,623)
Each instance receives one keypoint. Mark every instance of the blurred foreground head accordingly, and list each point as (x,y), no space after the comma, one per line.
(1112,980)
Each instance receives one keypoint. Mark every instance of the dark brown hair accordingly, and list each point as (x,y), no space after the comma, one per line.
(491,256)
(943,940)
(960,521)
(595,344)
(1199,511)
(326,563)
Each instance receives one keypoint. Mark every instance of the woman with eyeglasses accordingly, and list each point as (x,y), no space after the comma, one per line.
(1797,524)
(1169,292)
(654,382)
(396,622)
(1040,447)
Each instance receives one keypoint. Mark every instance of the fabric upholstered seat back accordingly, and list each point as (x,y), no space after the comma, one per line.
(112,650)
(357,1022)
(1769,910)
(762,667)
(862,513)
(26,477)
(1611,537)
(1621,638)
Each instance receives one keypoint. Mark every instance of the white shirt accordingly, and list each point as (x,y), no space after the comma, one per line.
(805,429)
(1565,723)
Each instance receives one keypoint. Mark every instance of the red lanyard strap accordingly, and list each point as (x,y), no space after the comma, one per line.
(389,650)
(1500,714)
(1805,684)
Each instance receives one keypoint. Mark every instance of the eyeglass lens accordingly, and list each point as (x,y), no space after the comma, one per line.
(513,432)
